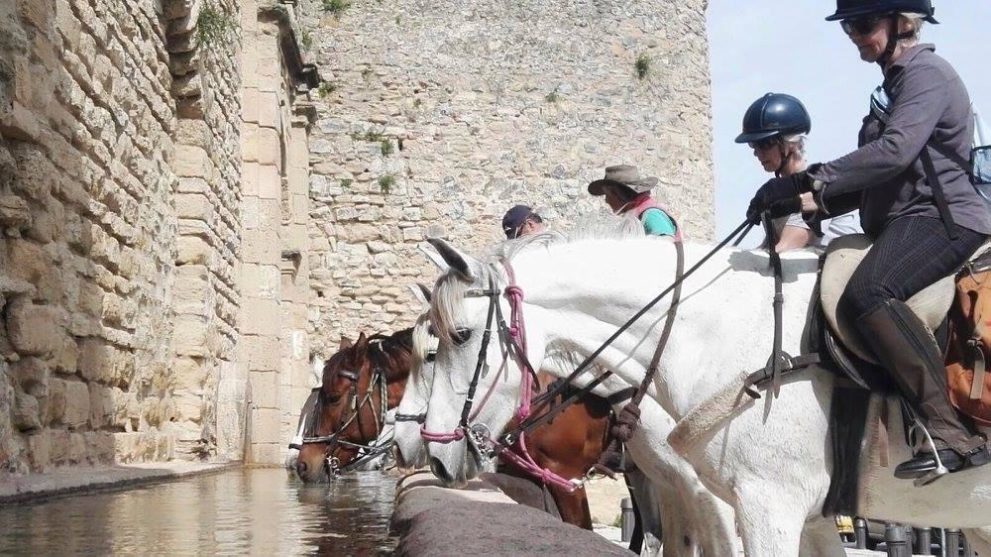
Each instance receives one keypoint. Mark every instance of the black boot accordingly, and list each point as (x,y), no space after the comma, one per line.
(907,350)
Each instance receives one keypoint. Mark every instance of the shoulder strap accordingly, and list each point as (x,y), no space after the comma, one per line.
(937,189)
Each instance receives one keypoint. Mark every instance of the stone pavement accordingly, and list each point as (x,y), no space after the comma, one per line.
(66,481)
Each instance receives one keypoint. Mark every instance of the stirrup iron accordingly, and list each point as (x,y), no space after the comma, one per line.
(940,470)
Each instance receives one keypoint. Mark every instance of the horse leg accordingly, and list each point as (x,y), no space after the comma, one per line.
(820,538)
(769,525)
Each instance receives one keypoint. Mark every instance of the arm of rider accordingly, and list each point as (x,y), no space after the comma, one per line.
(793,237)
(914,115)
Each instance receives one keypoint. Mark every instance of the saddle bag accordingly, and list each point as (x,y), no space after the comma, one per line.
(967,373)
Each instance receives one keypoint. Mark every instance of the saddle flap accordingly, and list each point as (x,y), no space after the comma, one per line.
(843,256)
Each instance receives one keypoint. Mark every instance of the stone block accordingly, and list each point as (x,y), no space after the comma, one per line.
(94,361)
(101,405)
(193,336)
(77,410)
(15,215)
(264,389)
(31,375)
(260,281)
(193,162)
(264,146)
(32,330)
(270,182)
(36,173)
(55,404)
(194,206)
(194,250)
(27,412)
(66,357)
(33,264)
(40,449)
(266,453)
(260,317)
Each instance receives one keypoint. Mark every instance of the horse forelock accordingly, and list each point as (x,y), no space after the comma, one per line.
(423,342)
(447,302)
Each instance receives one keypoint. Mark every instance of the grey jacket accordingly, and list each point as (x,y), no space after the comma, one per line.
(928,100)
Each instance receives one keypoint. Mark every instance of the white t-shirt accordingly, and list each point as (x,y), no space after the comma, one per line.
(842,225)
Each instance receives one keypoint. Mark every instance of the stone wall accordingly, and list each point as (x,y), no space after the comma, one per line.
(123,208)
(438,116)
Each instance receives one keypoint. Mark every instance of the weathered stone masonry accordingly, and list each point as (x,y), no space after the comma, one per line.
(185,224)
(122,212)
(438,116)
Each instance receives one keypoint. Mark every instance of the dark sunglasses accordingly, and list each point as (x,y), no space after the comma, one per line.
(861,25)
(765,143)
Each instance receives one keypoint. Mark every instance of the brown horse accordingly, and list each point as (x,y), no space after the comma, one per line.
(361,381)
(348,417)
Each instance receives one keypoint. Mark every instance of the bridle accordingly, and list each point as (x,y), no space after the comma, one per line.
(336,440)
(513,338)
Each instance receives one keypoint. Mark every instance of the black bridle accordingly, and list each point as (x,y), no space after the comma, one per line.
(336,440)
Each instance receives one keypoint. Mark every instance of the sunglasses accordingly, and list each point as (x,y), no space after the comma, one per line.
(765,143)
(861,25)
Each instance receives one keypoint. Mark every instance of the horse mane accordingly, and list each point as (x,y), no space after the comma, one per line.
(450,289)
(422,340)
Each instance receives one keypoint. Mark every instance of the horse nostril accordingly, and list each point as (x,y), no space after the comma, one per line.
(437,467)
(300,467)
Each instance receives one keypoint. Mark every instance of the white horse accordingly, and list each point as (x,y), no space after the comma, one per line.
(694,520)
(771,462)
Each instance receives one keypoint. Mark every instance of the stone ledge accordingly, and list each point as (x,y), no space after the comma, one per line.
(86,479)
(481,520)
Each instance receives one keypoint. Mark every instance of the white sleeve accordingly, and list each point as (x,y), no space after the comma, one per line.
(796,221)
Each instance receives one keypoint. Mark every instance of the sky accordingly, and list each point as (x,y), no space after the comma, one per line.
(785,46)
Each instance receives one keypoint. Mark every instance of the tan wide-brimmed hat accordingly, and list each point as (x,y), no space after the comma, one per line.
(623,175)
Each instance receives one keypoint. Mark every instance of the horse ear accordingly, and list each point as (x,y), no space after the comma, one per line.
(362,340)
(345,344)
(434,257)
(420,293)
(461,264)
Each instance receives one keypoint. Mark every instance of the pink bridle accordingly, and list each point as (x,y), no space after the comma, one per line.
(516,453)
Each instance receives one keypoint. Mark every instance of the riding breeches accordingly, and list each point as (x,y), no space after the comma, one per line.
(910,254)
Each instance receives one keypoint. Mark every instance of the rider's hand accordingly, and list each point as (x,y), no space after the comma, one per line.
(778,189)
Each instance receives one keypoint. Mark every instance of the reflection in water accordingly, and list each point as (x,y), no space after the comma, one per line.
(242,512)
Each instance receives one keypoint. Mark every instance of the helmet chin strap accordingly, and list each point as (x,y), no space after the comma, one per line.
(785,158)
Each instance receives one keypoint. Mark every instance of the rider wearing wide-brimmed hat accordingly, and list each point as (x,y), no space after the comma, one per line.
(776,126)
(923,229)
(627,193)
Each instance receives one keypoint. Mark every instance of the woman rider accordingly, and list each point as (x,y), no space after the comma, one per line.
(922,229)
(775,127)
(627,193)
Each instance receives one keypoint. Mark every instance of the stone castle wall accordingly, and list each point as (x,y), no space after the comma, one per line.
(438,116)
(186,227)
(122,214)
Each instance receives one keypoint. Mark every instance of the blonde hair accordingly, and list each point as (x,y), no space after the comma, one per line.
(912,22)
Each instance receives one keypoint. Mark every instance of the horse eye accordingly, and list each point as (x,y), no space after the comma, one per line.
(463,335)
(431,356)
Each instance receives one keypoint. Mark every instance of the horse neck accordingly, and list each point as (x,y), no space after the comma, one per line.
(395,358)
(581,305)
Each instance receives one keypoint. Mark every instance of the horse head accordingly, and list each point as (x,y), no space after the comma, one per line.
(475,384)
(346,413)
(410,449)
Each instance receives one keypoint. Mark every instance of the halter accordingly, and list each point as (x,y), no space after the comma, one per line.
(333,441)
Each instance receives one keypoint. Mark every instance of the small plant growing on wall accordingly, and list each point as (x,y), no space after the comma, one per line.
(386,147)
(346,183)
(325,89)
(306,39)
(366,73)
(642,66)
(213,25)
(552,97)
(386,182)
(336,7)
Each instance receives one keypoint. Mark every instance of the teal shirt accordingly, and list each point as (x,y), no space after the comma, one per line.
(656,223)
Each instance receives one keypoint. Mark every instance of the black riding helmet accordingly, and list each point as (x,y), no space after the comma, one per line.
(849,9)
(773,115)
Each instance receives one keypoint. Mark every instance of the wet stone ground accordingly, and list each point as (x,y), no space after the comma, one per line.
(241,512)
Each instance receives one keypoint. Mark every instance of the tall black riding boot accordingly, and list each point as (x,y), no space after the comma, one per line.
(906,348)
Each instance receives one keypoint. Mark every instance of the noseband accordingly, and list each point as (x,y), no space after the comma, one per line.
(336,439)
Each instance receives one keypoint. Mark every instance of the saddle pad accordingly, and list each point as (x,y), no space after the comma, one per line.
(843,255)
